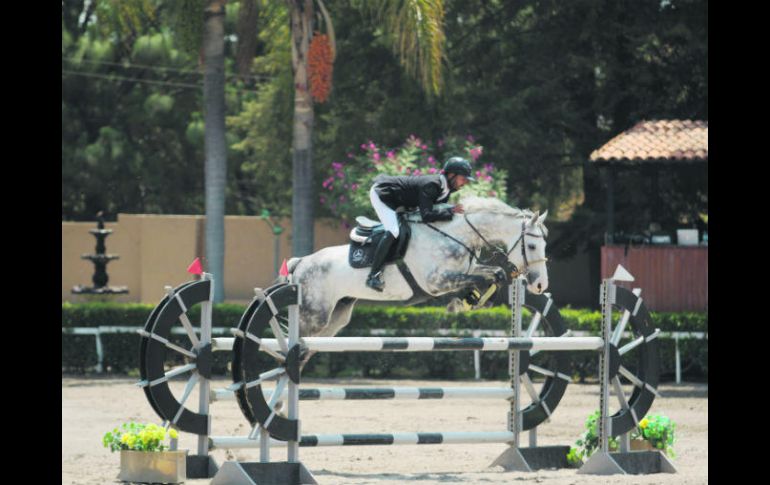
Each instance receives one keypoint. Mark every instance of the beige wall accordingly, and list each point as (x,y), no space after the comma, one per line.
(155,251)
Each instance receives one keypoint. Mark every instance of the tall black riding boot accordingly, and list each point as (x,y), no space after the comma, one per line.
(374,280)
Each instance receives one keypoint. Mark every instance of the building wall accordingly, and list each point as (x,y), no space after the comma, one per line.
(672,278)
(155,251)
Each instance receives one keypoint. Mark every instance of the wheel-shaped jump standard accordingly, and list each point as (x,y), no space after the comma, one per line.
(546,321)
(633,362)
(156,341)
(254,364)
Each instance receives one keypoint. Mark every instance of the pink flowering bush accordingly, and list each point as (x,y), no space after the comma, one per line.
(345,189)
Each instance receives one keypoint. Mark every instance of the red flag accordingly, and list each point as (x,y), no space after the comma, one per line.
(284,269)
(195,267)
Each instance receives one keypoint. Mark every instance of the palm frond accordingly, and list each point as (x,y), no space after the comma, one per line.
(416,28)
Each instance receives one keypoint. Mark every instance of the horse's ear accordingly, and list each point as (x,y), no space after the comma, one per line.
(541,219)
(533,221)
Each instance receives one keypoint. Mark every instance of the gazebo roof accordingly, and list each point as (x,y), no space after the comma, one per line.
(657,141)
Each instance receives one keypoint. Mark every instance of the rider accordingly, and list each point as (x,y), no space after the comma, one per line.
(391,192)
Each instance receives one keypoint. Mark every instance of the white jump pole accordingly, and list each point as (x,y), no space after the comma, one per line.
(293,446)
(203,397)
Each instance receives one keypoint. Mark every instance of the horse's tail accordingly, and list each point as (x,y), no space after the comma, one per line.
(292,264)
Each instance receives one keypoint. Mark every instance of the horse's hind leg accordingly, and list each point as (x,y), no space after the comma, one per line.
(339,317)
(306,359)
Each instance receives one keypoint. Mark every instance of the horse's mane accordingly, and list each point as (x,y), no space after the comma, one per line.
(475,205)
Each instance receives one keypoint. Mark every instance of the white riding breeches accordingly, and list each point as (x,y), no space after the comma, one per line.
(386,215)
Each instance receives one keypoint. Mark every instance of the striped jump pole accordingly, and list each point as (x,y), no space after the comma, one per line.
(426,344)
(381,393)
(371,439)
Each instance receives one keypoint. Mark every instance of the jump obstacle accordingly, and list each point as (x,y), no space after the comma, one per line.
(263,331)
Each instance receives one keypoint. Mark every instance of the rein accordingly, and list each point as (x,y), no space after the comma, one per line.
(498,258)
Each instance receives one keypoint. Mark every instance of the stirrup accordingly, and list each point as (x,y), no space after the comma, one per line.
(375,282)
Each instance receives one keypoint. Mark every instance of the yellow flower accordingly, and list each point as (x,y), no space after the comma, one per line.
(124,439)
(643,423)
(173,434)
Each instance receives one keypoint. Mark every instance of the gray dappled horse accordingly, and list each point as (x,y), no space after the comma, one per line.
(442,259)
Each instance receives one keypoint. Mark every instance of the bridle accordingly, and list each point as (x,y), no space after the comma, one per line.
(498,257)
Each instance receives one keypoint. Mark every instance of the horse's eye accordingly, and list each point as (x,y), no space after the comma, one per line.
(531,247)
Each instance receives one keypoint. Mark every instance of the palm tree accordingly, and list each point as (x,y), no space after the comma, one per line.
(416,34)
(215,144)
(302,200)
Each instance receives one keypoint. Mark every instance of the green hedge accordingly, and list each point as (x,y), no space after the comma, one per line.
(121,351)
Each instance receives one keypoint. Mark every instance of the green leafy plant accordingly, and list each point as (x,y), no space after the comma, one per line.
(659,431)
(589,441)
(138,437)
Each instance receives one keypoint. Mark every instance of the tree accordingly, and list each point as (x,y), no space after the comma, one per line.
(128,95)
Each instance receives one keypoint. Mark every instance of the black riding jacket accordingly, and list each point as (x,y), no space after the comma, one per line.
(414,191)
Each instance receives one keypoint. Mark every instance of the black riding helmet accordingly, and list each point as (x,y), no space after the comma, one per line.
(459,166)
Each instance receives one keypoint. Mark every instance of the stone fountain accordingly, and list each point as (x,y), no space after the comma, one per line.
(100,260)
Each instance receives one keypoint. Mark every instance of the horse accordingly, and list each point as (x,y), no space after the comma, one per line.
(443,258)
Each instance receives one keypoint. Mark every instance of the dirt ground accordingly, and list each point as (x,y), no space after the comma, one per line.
(93,406)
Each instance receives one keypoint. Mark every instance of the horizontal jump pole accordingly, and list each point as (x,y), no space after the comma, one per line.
(463,437)
(383,393)
(428,344)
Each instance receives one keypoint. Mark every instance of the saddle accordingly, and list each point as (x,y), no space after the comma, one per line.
(367,234)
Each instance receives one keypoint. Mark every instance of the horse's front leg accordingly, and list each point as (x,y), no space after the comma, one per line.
(448,282)
(480,276)
(478,283)
(490,274)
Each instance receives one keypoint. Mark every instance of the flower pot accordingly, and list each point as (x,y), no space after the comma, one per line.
(642,445)
(153,466)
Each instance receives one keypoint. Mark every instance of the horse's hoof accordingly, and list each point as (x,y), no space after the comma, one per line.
(455,306)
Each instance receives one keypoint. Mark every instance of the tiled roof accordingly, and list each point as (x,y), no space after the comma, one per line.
(683,140)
